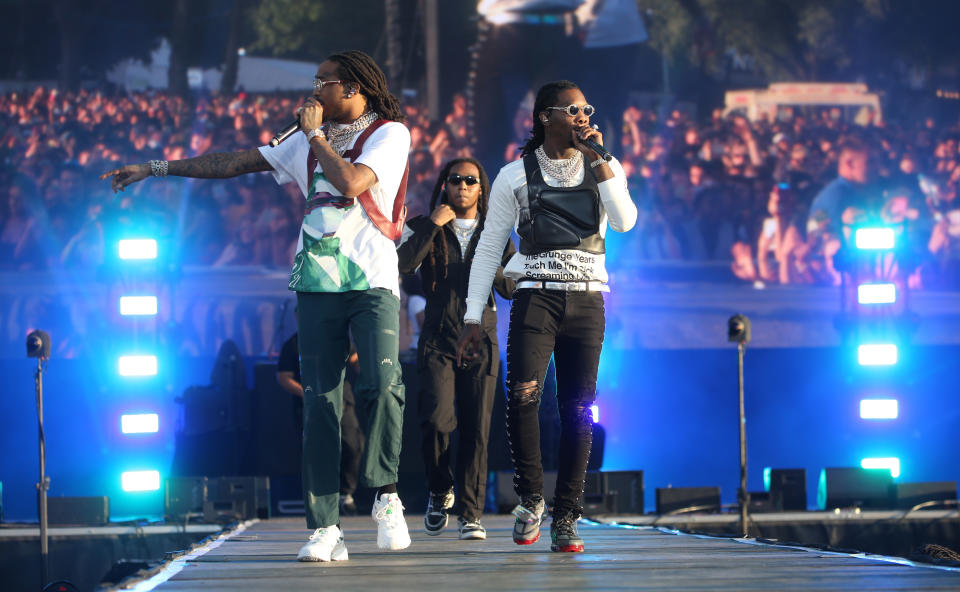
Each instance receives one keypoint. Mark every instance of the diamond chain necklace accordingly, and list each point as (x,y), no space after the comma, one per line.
(564,169)
(339,136)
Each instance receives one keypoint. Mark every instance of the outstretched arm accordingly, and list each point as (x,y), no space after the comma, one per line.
(218,165)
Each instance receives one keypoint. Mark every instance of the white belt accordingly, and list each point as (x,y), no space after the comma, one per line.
(591,286)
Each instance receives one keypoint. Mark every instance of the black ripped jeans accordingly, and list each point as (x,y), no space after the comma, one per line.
(569,326)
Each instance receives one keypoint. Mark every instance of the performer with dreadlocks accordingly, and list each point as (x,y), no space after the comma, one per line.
(353,149)
(560,196)
(452,395)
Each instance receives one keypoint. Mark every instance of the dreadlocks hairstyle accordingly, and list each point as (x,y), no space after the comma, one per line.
(438,250)
(356,66)
(546,97)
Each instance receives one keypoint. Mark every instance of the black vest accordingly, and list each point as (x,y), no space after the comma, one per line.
(558,217)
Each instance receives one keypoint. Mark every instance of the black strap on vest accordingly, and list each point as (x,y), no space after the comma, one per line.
(558,217)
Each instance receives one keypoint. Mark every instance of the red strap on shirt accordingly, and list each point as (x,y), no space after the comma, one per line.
(393,228)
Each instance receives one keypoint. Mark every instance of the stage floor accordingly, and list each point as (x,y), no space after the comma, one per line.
(262,557)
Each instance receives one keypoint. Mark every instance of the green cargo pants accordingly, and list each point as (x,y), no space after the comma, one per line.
(373,318)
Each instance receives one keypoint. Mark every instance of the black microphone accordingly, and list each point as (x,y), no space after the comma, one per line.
(592,145)
(286,132)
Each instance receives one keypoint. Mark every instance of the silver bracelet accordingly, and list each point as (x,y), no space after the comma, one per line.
(159,168)
(471,322)
(597,163)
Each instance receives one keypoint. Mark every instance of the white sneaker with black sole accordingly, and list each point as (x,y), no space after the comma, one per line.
(438,507)
(471,530)
(325,544)
(391,527)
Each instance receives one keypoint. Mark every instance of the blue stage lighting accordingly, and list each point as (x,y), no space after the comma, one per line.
(140,480)
(876,293)
(140,423)
(875,239)
(138,305)
(137,365)
(138,248)
(877,354)
(766,478)
(892,463)
(879,409)
(595,413)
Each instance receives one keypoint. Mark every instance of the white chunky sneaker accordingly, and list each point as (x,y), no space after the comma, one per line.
(391,527)
(325,544)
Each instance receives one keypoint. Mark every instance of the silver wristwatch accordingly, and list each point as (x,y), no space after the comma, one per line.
(315,133)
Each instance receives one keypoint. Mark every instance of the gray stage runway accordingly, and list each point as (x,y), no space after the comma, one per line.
(261,557)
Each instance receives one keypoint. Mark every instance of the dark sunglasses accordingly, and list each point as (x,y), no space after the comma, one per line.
(574,110)
(456,179)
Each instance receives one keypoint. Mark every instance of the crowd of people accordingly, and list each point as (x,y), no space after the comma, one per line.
(723,188)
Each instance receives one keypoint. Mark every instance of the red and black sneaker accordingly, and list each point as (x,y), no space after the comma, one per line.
(563,532)
(529,514)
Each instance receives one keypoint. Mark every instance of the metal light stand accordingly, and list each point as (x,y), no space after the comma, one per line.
(738,330)
(742,495)
(44,484)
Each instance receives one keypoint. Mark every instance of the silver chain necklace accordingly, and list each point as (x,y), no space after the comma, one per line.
(564,169)
(339,136)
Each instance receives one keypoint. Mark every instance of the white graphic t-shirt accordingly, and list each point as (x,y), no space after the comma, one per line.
(339,248)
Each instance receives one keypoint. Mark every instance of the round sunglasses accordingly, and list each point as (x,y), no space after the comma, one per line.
(456,179)
(574,110)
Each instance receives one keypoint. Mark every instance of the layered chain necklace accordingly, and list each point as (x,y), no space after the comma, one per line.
(339,136)
(564,169)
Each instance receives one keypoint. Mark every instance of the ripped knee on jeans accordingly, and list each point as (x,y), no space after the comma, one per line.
(578,412)
(522,394)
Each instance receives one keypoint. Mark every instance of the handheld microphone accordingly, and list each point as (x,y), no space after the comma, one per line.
(592,145)
(286,132)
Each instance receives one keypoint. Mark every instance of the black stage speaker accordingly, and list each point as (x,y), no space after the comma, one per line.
(219,499)
(670,499)
(788,490)
(88,511)
(909,495)
(846,487)
(613,492)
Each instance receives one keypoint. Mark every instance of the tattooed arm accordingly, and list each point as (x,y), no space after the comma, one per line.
(218,165)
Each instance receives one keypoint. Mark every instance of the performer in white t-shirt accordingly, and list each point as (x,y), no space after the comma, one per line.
(560,196)
(350,163)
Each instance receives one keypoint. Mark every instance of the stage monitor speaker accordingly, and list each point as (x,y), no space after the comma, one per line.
(219,499)
(847,487)
(237,498)
(87,511)
(788,490)
(671,499)
(613,492)
(909,495)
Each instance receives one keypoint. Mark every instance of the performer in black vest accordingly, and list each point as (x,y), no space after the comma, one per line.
(454,396)
(560,196)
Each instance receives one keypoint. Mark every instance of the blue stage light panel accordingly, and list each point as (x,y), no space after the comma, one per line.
(138,305)
(766,478)
(140,480)
(879,409)
(877,354)
(140,423)
(877,293)
(595,413)
(137,366)
(892,463)
(138,248)
(875,239)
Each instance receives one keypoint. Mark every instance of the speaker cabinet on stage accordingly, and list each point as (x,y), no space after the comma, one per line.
(670,499)
(909,495)
(846,487)
(613,492)
(88,511)
(219,499)
(788,490)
